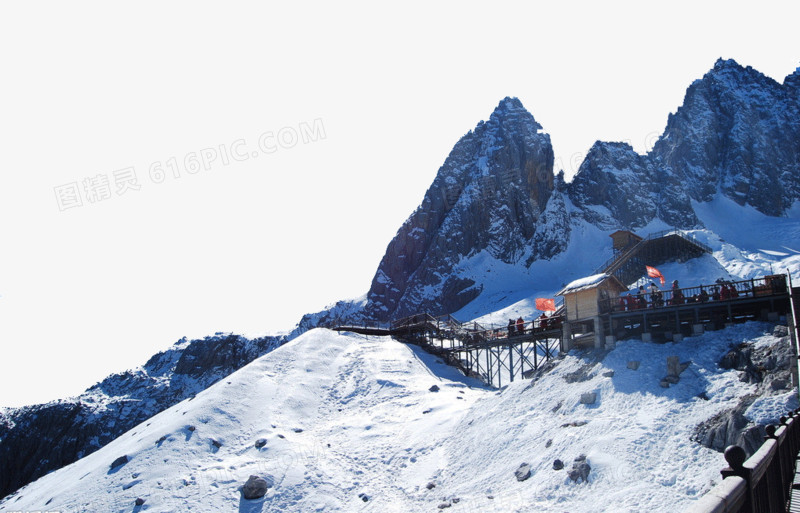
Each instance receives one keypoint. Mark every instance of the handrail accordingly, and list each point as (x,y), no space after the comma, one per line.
(622,255)
(473,333)
(761,483)
(754,287)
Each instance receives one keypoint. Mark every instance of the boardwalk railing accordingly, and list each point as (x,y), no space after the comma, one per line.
(761,483)
(472,333)
(756,287)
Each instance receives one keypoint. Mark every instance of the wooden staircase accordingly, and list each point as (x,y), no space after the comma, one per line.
(629,265)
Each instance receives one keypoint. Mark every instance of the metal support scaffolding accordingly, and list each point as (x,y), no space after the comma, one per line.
(493,355)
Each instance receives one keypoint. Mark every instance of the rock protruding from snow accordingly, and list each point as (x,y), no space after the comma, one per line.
(767,367)
(255,488)
(122,460)
(580,470)
(523,472)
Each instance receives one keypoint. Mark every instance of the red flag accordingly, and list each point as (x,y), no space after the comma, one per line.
(655,273)
(545,304)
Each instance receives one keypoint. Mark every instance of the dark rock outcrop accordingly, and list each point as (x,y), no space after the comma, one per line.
(255,488)
(523,472)
(769,368)
(730,427)
(122,460)
(580,470)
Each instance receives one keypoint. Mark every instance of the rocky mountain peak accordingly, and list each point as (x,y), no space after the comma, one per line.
(793,80)
(735,134)
(487,196)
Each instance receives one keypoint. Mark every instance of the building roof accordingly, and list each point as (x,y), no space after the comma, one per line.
(590,282)
(625,231)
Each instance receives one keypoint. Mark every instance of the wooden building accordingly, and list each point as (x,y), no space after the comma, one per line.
(585,300)
(623,239)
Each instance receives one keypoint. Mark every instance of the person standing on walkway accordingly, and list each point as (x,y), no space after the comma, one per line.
(677,294)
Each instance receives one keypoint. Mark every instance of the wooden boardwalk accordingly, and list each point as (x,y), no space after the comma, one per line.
(764,299)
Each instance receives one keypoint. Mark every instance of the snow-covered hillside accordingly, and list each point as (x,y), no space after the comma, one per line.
(350,424)
(497,228)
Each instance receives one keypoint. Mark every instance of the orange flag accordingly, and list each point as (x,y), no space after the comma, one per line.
(655,273)
(545,304)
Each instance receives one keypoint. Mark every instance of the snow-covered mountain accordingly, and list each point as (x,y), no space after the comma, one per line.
(487,196)
(497,228)
(35,440)
(336,422)
(496,199)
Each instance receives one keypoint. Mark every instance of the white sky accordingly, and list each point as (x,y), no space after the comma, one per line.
(88,90)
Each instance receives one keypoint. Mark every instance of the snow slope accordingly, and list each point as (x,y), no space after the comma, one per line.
(347,417)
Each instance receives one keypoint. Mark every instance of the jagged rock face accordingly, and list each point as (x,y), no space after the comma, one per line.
(738,132)
(35,440)
(488,195)
(554,225)
(610,188)
(617,188)
(769,368)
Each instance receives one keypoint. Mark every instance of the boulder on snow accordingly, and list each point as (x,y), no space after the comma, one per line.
(633,365)
(255,488)
(580,470)
(431,485)
(588,398)
(523,472)
(122,460)
(139,501)
(608,374)
(434,388)
(558,465)
(261,442)
(577,423)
